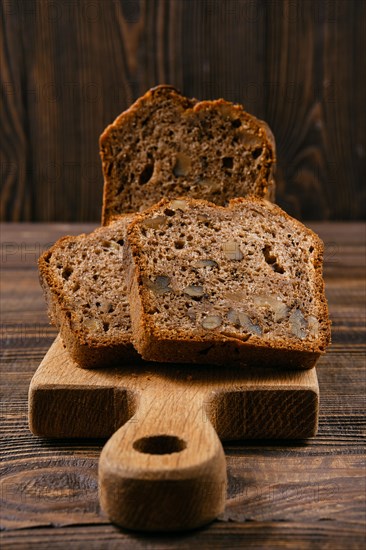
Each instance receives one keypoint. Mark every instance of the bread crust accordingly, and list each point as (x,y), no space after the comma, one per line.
(155,344)
(117,195)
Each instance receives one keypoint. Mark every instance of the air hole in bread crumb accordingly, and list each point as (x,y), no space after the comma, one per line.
(66,273)
(95,277)
(311,249)
(204,164)
(227,162)
(120,242)
(105,327)
(169,212)
(179,244)
(236,123)
(256,153)
(146,174)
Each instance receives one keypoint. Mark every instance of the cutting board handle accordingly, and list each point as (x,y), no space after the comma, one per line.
(165,468)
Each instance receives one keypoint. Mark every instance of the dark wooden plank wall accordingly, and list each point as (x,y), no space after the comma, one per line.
(68,68)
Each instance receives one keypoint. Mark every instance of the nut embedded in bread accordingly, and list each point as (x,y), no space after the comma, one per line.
(237,284)
(83,279)
(166,145)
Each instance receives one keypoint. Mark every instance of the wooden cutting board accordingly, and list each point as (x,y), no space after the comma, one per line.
(163,467)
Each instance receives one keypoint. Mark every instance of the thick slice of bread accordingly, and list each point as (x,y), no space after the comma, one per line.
(212,284)
(166,145)
(83,279)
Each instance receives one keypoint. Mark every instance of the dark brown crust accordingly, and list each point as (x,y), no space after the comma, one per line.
(265,187)
(176,346)
(88,354)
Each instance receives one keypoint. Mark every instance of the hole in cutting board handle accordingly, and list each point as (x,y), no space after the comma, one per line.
(159,444)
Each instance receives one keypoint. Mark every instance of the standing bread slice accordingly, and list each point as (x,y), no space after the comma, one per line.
(166,145)
(226,285)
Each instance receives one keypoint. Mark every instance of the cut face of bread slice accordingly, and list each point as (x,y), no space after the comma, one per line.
(84,283)
(241,284)
(166,145)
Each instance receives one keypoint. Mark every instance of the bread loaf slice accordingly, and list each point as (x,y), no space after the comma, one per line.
(83,279)
(166,145)
(226,285)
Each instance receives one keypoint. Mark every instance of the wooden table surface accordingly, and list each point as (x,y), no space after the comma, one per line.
(302,494)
